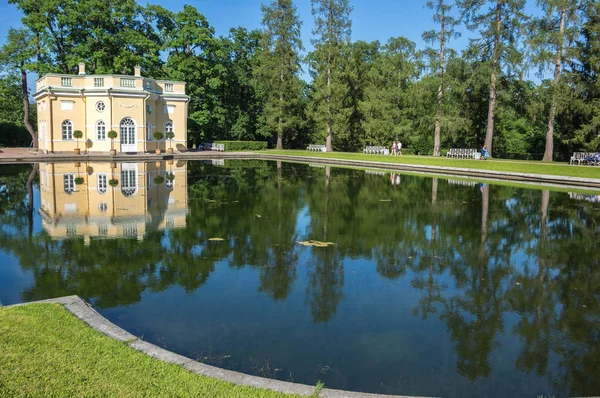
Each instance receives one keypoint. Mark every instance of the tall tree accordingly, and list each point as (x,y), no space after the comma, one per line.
(552,38)
(279,66)
(17,54)
(447,25)
(332,31)
(499,23)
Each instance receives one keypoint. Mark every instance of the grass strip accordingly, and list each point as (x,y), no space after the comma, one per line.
(513,166)
(47,352)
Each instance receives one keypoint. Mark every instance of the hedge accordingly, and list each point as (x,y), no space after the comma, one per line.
(243,145)
(12,135)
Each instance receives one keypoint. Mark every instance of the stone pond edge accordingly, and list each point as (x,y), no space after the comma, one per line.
(84,311)
(446,170)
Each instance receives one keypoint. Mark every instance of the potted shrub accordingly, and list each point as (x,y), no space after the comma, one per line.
(113,182)
(158,136)
(112,134)
(158,180)
(79,180)
(77,134)
(170,135)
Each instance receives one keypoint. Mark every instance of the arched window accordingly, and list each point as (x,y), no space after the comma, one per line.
(128,179)
(100,130)
(102,183)
(69,183)
(67,130)
(127,137)
(169,127)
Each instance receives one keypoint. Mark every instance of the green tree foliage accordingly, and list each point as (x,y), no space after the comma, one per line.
(277,71)
(499,24)
(332,33)
(447,31)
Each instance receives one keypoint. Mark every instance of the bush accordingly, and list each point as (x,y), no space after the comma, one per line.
(243,145)
(158,135)
(158,180)
(113,182)
(79,180)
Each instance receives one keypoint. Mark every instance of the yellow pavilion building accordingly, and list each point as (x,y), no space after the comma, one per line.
(133,106)
(78,199)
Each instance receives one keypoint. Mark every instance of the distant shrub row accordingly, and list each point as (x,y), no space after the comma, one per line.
(243,145)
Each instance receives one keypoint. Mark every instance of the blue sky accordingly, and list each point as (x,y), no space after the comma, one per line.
(371,19)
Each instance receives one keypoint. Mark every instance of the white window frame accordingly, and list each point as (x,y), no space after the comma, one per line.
(69,183)
(100,106)
(102,183)
(169,87)
(100,130)
(66,82)
(169,127)
(67,130)
(98,82)
(102,207)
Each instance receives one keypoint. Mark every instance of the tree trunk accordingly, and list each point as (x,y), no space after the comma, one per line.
(279,126)
(485,203)
(25,94)
(29,186)
(328,146)
(434,189)
(489,133)
(438,116)
(328,142)
(550,132)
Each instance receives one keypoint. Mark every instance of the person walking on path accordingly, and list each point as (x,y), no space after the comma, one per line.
(394,148)
(399,148)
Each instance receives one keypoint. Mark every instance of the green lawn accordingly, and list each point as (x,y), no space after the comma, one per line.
(45,351)
(518,166)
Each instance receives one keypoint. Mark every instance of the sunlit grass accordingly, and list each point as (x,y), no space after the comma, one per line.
(47,352)
(515,166)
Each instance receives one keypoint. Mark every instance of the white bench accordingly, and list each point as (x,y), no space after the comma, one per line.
(316,148)
(211,146)
(462,153)
(377,150)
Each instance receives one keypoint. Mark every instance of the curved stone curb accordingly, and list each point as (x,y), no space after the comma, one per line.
(91,317)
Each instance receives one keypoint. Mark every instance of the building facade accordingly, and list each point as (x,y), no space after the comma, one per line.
(133,106)
(78,200)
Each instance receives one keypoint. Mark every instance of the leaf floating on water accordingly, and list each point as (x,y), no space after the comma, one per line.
(258,215)
(385,200)
(315,243)
(216,239)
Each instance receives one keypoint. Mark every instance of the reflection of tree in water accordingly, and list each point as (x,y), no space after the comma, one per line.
(430,231)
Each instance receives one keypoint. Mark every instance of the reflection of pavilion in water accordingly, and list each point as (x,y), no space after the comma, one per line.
(78,199)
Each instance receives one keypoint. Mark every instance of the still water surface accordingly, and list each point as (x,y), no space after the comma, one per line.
(428,286)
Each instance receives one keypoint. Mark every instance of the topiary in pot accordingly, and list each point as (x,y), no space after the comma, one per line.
(113,182)
(170,135)
(158,180)
(77,134)
(112,134)
(158,136)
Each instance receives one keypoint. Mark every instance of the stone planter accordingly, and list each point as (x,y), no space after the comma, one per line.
(158,151)
(77,151)
(170,150)
(113,152)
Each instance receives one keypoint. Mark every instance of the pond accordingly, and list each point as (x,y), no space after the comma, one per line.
(361,279)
